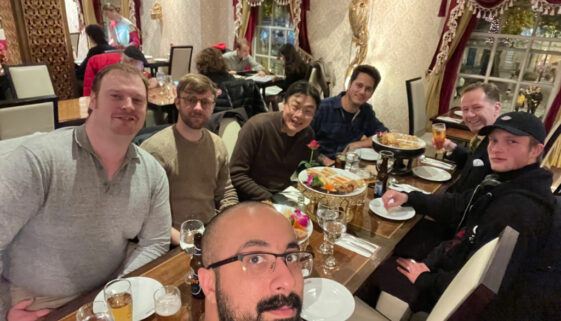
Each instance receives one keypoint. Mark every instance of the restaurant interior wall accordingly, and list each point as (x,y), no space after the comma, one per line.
(403,36)
(199,23)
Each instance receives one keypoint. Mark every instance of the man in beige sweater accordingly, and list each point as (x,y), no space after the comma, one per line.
(195,159)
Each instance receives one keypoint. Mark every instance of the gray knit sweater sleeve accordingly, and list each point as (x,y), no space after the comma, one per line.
(154,238)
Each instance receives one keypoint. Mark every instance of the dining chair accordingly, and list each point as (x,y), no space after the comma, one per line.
(29,81)
(416,104)
(180,61)
(27,116)
(475,285)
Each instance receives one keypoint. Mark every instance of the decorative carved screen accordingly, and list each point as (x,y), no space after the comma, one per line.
(48,41)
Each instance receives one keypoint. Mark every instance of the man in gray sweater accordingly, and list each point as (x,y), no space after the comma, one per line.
(71,200)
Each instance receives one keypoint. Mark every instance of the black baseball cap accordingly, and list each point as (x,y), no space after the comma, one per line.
(136,54)
(519,124)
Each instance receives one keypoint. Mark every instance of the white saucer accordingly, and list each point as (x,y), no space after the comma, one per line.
(368,154)
(326,300)
(431,173)
(397,213)
(143,289)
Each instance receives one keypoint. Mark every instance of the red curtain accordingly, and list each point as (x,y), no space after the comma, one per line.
(303,41)
(97,10)
(553,111)
(452,67)
(137,5)
(252,23)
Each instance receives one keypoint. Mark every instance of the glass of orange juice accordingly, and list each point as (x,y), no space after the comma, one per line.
(438,136)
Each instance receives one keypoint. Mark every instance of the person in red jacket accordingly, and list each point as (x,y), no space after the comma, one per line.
(131,56)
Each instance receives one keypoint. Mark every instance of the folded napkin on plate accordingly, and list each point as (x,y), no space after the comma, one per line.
(406,188)
(437,163)
(289,196)
(449,119)
(357,245)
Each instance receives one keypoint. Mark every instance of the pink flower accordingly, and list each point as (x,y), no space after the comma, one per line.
(313,145)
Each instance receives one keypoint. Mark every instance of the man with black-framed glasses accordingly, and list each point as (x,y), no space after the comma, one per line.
(254,268)
(271,145)
(195,159)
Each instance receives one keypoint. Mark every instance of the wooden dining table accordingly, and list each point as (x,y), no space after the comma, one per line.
(353,269)
(455,130)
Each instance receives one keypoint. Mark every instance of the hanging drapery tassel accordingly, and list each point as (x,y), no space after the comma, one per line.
(254,3)
(450,34)
(237,16)
(296,21)
(545,7)
(282,2)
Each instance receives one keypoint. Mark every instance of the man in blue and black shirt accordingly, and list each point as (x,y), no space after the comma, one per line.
(342,121)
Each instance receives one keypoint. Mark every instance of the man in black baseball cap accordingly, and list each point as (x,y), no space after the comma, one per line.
(135,53)
(517,194)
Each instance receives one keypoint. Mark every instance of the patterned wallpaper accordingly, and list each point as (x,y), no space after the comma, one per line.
(10,32)
(403,36)
(199,23)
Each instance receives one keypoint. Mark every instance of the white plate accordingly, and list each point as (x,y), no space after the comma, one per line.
(368,154)
(303,178)
(326,300)
(431,173)
(282,208)
(143,289)
(458,113)
(397,213)
(161,59)
(148,57)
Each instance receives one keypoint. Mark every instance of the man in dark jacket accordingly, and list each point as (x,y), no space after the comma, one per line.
(518,195)
(481,106)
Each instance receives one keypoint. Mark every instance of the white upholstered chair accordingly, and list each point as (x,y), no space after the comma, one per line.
(416,105)
(28,116)
(180,61)
(470,291)
(228,131)
(29,81)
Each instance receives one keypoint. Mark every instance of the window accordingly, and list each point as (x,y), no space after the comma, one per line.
(274,29)
(520,52)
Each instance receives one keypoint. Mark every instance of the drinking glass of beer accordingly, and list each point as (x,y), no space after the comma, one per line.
(438,136)
(167,303)
(118,295)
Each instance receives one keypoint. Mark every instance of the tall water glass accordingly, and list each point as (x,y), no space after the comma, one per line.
(118,295)
(334,229)
(187,238)
(167,303)
(325,213)
(351,162)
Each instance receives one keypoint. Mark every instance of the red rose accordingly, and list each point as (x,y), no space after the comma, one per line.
(313,144)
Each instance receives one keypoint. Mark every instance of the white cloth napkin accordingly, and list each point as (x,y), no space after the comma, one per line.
(449,119)
(357,245)
(437,163)
(407,188)
(289,196)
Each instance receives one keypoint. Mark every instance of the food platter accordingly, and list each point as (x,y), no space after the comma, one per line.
(413,147)
(336,175)
(398,142)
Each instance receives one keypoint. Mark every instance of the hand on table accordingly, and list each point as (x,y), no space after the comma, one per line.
(232,72)
(394,199)
(327,161)
(411,269)
(19,313)
(448,145)
(260,73)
